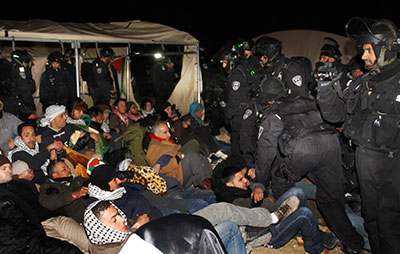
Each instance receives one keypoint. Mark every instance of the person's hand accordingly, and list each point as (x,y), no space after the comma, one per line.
(53,155)
(83,191)
(94,136)
(257,195)
(39,138)
(252,173)
(11,144)
(157,168)
(140,221)
(27,175)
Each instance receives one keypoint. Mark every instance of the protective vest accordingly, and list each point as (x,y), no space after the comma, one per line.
(373,107)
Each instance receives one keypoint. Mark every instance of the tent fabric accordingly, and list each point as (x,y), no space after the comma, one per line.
(135,31)
(308,43)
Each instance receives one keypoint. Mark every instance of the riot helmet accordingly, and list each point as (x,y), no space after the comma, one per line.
(22,57)
(229,56)
(330,48)
(268,47)
(271,89)
(382,34)
(107,53)
(56,57)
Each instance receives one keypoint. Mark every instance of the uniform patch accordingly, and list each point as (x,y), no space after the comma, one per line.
(235,85)
(398,98)
(99,70)
(297,80)
(247,113)
(260,131)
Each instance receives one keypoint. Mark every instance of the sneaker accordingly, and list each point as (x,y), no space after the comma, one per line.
(262,240)
(287,207)
(254,232)
(329,240)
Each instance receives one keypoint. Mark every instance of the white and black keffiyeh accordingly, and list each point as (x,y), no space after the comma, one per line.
(98,232)
(51,112)
(21,146)
(96,192)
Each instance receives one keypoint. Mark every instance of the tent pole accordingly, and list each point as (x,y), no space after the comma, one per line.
(75,45)
(199,84)
(127,66)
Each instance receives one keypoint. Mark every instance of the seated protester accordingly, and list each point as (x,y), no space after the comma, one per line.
(27,150)
(119,119)
(133,112)
(54,127)
(21,170)
(8,129)
(27,114)
(146,108)
(192,199)
(21,230)
(167,111)
(118,235)
(75,109)
(62,192)
(165,157)
(231,185)
(104,185)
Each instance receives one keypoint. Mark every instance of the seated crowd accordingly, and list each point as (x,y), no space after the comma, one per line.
(107,179)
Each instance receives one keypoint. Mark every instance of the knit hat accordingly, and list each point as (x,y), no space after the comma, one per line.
(51,112)
(195,107)
(102,175)
(18,167)
(3,160)
(92,163)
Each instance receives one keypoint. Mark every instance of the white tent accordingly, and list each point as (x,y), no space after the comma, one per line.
(308,43)
(40,37)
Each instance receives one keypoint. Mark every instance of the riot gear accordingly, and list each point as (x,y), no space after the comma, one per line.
(268,47)
(382,34)
(22,57)
(56,57)
(331,48)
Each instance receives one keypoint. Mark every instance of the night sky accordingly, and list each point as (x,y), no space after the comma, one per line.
(214,24)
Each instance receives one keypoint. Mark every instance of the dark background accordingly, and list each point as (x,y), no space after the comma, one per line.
(212,24)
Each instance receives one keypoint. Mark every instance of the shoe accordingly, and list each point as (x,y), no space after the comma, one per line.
(329,240)
(347,250)
(262,240)
(287,207)
(254,232)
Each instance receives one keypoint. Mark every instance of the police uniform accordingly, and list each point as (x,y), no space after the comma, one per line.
(371,115)
(103,83)
(294,142)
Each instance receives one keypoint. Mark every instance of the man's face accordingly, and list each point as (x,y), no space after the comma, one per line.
(369,55)
(326,59)
(113,219)
(164,132)
(121,107)
(168,110)
(133,109)
(114,184)
(5,173)
(148,106)
(61,170)
(77,114)
(28,136)
(239,181)
(59,122)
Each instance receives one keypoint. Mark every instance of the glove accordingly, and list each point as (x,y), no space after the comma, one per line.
(326,75)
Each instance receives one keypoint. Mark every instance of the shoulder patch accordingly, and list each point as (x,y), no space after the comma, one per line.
(297,80)
(235,85)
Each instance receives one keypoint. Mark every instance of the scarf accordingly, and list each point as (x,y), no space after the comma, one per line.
(51,112)
(95,192)
(146,113)
(21,146)
(98,232)
(124,117)
(151,135)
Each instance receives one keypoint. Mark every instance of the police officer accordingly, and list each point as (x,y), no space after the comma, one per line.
(242,74)
(105,83)
(370,111)
(162,79)
(20,84)
(54,82)
(294,141)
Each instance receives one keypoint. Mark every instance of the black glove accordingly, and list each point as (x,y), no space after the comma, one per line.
(326,75)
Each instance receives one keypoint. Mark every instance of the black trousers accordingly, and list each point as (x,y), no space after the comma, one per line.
(379,179)
(319,158)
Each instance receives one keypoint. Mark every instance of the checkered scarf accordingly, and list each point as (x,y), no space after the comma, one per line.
(98,232)
(95,192)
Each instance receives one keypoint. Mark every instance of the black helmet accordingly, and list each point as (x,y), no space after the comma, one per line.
(107,52)
(271,89)
(55,56)
(231,53)
(382,34)
(331,48)
(268,47)
(22,57)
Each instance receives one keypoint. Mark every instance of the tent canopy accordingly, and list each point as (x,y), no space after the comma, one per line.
(37,36)
(308,43)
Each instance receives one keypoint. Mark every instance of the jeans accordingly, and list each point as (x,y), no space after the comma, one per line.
(302,220)
(192,199)
(231,237)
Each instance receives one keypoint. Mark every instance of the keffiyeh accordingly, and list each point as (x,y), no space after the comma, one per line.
(98,232)
(95,192)
(51,112)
